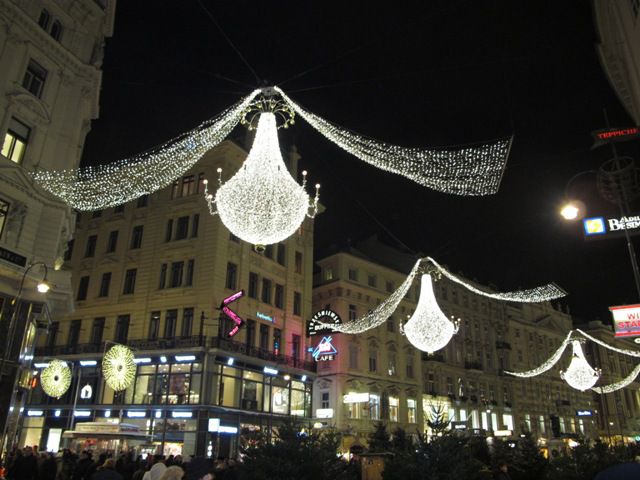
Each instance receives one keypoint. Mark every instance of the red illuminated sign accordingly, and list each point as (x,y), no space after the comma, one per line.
(626,320)
(615,135)
(230,313)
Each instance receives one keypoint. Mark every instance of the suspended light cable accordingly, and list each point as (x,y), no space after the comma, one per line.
(618,385)
(548,364)
(630,353)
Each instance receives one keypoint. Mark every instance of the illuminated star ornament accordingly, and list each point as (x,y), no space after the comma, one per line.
(261,203)
(56,378)
(118,367)
(429,329)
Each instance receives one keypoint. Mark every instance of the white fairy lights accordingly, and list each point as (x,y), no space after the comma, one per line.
(618,385)
(95,188)
(471,170)
(429,329)
(56,378)
(579,375)
(262,204)
(119,367)
(546,365)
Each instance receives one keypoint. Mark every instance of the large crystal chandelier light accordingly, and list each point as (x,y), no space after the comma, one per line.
(262,204)
(579,374)
(429,329)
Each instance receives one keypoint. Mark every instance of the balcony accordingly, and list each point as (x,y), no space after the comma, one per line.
(473,365)
(501,344)
(436,357)
(164,343)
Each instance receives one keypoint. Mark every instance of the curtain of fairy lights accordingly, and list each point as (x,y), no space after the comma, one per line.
(547,365)
(469,170)
(94,188)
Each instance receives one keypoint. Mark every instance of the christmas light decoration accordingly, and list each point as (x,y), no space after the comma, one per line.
(429,329)
(618,385)
(534,295)
(262,204)
(469,170)
(118,367)
(579,375)
(56,378)
(623,351)
(95,188)
(381,313)
(548,364)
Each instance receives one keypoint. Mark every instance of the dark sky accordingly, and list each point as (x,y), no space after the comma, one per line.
(410,73)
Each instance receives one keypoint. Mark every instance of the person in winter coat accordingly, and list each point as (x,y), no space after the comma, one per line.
(107,471)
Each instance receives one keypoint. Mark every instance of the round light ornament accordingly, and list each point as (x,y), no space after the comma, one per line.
(118,367)
(56,378)
(429,329)
(262,204)
(579,375)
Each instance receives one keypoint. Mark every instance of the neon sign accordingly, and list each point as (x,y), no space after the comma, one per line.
(231,314)
(324,351)
(601,137)
(322,316)
(264,316)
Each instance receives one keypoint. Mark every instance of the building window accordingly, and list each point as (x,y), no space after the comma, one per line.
(4,213)
(136,236)
(411,410)
(169,231)
(374,407)
(279,296)
(188,281)
(281,254)
(56,30)
(373,360)
(34,78)
(122,329)
(104,284)
(44,19)
(295,346)
(154,325)
(83,288)
(68,253)
(231,281)
(297,303)
(410,365)
(392,364)
(163,276)
(389,286)
(264,337)
(233,238)
(251,333)
(182,228)
(277,338)
(393,409)
(194,225)
(352,313)
(177,269)
(328,273)
(353,274)
(187,322)
(353,356)
(112,242)
(266,291)
(268,251)
(119,208)
(54,329)
(170,320)
(74,332)
(96,214)
(129,281)
(253,285)
(391,325)
(298,262)
(372,280)
(97,329)
(143,201)
(324,400)
(16,140)
(184,187)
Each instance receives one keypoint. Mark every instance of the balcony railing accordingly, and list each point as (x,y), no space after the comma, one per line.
(503,344)
(473,365)
(436,357)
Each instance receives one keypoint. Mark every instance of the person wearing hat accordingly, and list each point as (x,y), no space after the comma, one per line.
(199,469)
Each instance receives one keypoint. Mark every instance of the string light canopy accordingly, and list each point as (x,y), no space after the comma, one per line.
(468,170)
(118,367)
(429,329)
(262,204)
(579,375)
(56,378)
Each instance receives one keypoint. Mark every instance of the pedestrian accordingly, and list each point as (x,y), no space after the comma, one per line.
(83,466)
(503,472)
(156,471)
(172,473)
(25,466)
(107,471)
(48,468)
(200,469)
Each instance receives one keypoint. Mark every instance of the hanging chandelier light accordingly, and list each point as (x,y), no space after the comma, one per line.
(579,375)
(56,378)
(429,329)
(262,203)
(118,367)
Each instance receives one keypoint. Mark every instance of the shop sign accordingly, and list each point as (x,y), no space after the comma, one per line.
(626,320)
(584,413)
(323,316)
(12,257)
(264,316)
(352,397)
(230,313)
(503,433)
(86,392)
(324,412)
(324,351)
(615,135)
(610,227)
(215,427)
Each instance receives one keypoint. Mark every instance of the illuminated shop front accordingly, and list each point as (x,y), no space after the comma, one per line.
(170,403)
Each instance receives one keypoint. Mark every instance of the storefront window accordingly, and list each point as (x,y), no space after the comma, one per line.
(252,391)
(230,386)
(374,407)
(393,409)
(280,396)
(411,410)
(297,403)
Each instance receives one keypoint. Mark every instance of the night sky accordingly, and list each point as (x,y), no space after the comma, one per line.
(410,73)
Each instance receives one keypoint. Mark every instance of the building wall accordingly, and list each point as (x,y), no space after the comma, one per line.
(49,90)
(225,367)
(465,380)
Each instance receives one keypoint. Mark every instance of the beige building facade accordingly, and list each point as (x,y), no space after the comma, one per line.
(152,274)
(50,77)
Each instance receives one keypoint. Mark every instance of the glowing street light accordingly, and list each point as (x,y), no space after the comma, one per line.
(570,211)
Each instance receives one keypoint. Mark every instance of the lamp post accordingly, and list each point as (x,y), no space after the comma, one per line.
(43,287)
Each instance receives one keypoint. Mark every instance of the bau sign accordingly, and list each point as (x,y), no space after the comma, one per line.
(626,320)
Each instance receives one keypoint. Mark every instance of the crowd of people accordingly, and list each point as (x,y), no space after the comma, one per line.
(29,464)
